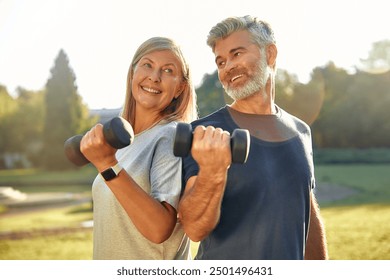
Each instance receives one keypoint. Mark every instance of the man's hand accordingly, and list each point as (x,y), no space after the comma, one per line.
(211,149)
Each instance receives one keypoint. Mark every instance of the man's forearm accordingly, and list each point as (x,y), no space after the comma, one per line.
(199,209)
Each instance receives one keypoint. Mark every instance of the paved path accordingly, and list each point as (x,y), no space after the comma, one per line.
(326,192)
(41,201)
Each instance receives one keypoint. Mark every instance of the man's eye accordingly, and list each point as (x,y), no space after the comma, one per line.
(220,63)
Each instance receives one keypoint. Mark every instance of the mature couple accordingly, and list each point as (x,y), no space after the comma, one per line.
(155,202)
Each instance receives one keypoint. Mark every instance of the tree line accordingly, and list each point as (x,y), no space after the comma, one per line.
(35,124)
(344,110)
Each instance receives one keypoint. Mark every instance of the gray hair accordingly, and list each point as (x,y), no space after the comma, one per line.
(260,31)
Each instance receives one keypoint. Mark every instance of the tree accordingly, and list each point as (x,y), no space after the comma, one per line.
(28,122)
(302,100)
(7,108)
(210,95)
(378,60)
(355,110)
(65,116)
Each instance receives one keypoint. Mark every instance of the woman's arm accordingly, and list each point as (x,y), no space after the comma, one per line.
(155,220)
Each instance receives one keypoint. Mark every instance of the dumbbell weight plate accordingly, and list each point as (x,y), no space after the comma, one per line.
(240,143)
(183,140)
(118,133)
(72,151)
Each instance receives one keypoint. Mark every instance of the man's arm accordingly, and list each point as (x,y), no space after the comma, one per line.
(200,206)
(316,246)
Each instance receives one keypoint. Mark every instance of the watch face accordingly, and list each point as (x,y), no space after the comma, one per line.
(108,174)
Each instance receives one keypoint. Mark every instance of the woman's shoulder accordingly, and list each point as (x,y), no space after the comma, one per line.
(167,127)
(163,130)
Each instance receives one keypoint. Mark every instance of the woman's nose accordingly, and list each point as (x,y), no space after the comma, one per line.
(155,76)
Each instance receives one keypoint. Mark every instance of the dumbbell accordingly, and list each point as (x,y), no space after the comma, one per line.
(239,142)
(117,132)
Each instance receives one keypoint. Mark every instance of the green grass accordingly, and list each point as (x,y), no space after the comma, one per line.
(358,227)
(36,177)
(74,246)
(70,216)
(43,246)
(358,232)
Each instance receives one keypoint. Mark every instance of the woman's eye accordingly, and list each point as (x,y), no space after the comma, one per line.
(168,70)
(147,64)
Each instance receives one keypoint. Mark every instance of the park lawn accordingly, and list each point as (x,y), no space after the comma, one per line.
(358,232)
(43,245)
(357,227)
(68,246)
(70,216)
(36,180)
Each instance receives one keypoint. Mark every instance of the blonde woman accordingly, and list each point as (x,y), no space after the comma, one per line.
(135,213)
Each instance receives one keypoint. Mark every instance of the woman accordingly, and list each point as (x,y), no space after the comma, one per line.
(135,213)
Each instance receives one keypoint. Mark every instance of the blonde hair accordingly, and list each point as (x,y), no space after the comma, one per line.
(183,108)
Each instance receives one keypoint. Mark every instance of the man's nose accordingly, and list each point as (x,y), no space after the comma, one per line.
(230,65)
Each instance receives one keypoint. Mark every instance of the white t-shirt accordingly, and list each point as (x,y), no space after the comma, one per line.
(149,160)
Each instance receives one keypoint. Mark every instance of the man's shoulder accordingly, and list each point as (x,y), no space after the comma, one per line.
(302,126)
(213,119)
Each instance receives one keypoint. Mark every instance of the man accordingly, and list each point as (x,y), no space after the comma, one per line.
(261,209)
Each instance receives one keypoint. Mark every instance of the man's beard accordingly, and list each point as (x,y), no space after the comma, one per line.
(254,85)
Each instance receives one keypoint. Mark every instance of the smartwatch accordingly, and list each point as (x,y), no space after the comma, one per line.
(111,172)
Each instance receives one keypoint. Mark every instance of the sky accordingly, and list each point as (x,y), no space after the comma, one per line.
(101,36)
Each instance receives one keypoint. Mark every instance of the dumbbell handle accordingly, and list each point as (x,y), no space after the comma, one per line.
(117,132)
(239,142)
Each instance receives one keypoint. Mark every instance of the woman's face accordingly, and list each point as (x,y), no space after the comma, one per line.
(157,79)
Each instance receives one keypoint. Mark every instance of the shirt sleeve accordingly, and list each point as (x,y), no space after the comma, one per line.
(166,170)
(190,168)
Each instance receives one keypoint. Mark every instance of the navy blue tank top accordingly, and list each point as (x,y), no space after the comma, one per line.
(266,205)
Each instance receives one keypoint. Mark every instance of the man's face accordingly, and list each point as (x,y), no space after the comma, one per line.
(242,69)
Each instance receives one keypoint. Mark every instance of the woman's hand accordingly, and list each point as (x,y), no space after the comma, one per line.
(96,149)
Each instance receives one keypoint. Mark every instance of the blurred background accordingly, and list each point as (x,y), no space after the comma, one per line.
(63,68)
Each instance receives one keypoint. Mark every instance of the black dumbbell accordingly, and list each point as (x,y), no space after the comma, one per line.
(117,132)
(239,142)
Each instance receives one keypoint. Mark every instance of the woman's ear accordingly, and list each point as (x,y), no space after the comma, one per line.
(180,90)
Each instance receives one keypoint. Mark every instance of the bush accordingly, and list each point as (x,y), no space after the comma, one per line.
(342,156)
